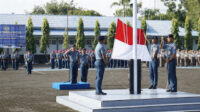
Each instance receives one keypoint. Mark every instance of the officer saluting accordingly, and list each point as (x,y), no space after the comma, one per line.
(153,65)
(170,49)
(29,60)
(84,59)
(100,64)
(53,57)
(74,63)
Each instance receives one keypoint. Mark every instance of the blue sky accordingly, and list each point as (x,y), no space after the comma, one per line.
(102,6)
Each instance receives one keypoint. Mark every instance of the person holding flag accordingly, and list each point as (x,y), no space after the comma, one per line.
(153,65)
(170,49)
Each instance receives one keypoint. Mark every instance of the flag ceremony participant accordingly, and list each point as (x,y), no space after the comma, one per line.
(84,60)
(74,63)
(53,58)
(16,58)
(5,57)
(100,64)
(170,49)
(153,65)
(60,58)
(29,60)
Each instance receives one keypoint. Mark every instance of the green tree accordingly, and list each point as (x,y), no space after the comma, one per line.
(30,40)
(188,40)
(144,25)
(175,32)
(45,36)
(38,10)
(192,11)
(126,9)
(62,8)
(80,37)
(199,35)
(97,33)
(111,35)
(66,38)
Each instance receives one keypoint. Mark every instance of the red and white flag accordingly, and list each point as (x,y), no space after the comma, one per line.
(123,44)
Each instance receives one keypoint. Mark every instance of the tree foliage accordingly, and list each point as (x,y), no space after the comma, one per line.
(45,36)
(175,32)
(125,8)
(66,39)
(80,37)
(30,40)
(38,10)
(62,8)
(192,11)
(111,35)
(144,25)
(198,46)
(188,40)
(97,33)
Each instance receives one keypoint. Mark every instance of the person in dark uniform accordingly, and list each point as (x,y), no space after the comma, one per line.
(153,65)
(1,64)
(13,60)
(92,57)
(170,49)
(5,57)
(16,60)
(60,58)
(74,63)
(84,60)
(100,64)
(53,58)
(29,60)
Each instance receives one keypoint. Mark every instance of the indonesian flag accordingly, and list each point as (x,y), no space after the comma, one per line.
(123,44)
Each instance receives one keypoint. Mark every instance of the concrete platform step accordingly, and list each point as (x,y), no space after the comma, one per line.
(116,98)
(64,100)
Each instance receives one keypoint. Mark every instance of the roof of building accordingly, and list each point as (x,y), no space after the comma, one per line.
(59,22)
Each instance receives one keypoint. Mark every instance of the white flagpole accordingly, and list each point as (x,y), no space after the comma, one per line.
(135,45)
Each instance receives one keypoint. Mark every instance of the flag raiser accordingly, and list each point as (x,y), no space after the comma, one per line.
(123,43)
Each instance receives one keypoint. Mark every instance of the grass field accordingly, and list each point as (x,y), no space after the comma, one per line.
(20,92)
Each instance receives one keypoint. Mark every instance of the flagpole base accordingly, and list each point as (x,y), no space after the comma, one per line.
(131,76)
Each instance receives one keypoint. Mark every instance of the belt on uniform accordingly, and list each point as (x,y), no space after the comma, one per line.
(74,61)
(99,59)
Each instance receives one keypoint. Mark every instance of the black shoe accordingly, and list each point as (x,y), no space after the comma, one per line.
(173,90)
(102,93)
(169,90)
(151,87)
(154,88)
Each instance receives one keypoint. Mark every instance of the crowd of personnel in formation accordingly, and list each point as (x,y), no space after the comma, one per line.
(183,58)
(62,60)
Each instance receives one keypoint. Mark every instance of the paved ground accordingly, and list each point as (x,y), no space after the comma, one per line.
(33,93)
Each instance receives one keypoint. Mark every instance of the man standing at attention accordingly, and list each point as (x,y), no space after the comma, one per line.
(170,49)
(100,64)
(84,60)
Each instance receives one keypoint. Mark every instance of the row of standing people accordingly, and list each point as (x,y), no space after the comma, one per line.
(5,57)
(61,60)
(183,58)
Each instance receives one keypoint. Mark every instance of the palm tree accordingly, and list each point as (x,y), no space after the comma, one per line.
(123,3)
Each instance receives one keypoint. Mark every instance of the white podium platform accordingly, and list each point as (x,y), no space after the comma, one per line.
(121,101)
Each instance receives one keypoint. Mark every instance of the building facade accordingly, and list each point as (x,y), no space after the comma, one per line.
(58,23)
